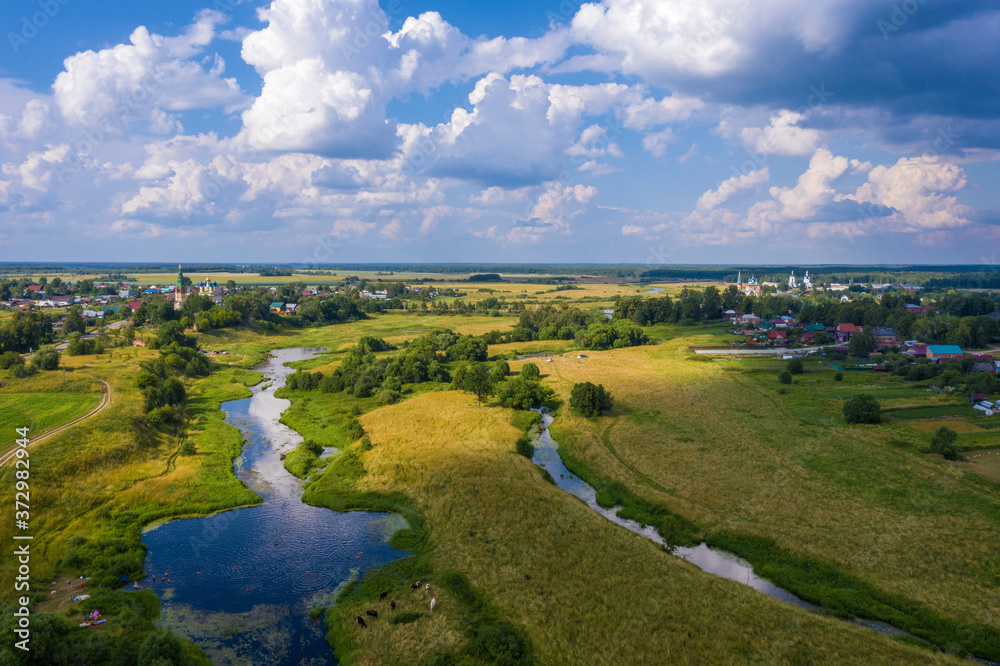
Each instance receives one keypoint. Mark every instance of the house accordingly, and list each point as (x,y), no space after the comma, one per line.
(977,397)
(916,350)
(134,305)
(276,307)
(33,290)
(885,337)
(749,320)
(124,293)
(919,310)
(778,336)
(778,323)
(92,314)
(814,328)
(991,368)
(807,337)
(843,332)
(944,352)
(291,308)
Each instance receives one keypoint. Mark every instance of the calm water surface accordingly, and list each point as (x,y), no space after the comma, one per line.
(241,583)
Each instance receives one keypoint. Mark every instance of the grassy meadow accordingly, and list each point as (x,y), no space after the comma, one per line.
(596,593)
(722,443)
(44,401)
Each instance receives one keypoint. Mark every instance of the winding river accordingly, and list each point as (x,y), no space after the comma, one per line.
(241,583)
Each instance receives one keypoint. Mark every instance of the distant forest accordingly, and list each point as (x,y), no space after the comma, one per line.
(931,276)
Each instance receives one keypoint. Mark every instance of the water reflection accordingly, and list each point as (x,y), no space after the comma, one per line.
(241,583)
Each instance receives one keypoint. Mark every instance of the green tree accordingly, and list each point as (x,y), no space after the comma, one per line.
(46,358)
(943,442)
(785,377)
(795,366)
(587,399)
(478,380)
(530,371)
(862,344)
(74,322)
(863,409)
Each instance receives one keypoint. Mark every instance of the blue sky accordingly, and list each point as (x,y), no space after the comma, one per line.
(640,131)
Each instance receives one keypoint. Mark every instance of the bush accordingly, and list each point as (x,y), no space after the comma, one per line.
(366,443)
(525,447)
(387,397)
(785,377)
(188,448)
(839,377)
(943,442)
(863,409)
(795,366)
(46,358)
(588,399)
(499,644)
(530,371)
(7,359)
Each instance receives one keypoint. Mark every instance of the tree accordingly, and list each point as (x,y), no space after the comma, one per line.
(46,358)
(478,380)
(530,371)
(862,344)
(943,442)
(863,409)
(785,377)
(74,322)
(711,303)
(587,399)
(795,366)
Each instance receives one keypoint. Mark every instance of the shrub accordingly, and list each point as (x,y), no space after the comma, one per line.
(530,371)
(587,399)
(7,359)
(188,448)
(795,366)
(366,443)
(943,442)
(312,447)
(839,377)
(785,377)
(387,397)
(525,447)
(354,430)
(863,409)
(499,644)
(46,358)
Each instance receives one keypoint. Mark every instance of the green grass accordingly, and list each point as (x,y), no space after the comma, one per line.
(716,444)
(931,412)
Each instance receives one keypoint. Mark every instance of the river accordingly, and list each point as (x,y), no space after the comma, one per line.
(241,583)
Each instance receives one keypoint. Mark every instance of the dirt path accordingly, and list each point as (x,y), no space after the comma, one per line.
(104,404)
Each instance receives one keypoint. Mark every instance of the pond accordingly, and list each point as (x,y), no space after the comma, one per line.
(241,583)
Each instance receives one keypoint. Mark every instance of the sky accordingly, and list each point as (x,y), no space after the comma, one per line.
(622,131)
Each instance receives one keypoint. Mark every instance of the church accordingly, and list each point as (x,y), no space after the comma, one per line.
(180,291)
(749,288)
(806,282)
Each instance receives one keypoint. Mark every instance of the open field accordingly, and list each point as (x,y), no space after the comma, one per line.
(718,443)
(984,463)
(596,593)
(27,403)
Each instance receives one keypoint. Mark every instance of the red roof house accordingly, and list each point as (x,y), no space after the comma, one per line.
(843,332)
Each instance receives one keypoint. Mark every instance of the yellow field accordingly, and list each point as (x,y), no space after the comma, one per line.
(597,593)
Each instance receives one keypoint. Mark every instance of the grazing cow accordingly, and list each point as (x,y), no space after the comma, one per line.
(383,595)
(427,588)
(392,604)
(433,604)
(415,585)
(361,621)
(372,613)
